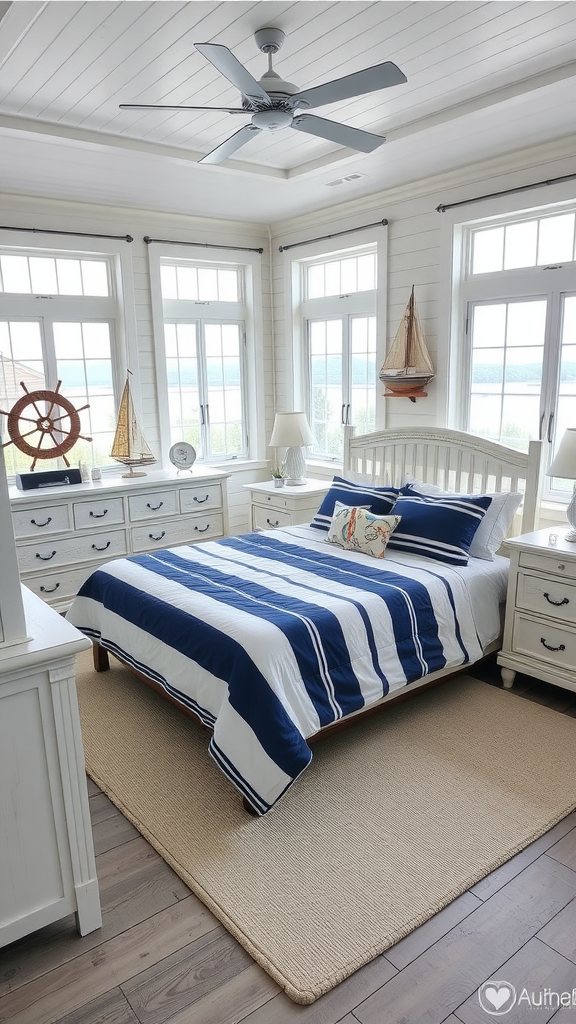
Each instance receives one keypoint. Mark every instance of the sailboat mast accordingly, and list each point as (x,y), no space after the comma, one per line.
(410,331)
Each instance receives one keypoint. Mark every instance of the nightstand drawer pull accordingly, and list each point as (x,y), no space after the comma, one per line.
(46,558)
(273,525)
(200,529)
(159,537)
(99,515)
(561,567)
(562,647)
(45,523)
(200,501)
(49,590)
(154,508)
(96,548)
(557,604)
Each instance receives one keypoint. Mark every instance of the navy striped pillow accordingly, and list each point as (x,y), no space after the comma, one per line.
(379,500)
(438,527)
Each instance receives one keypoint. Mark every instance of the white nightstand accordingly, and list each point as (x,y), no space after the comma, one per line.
(271,507)
(540,627)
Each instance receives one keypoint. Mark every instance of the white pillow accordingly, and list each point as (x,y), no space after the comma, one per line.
(494,526)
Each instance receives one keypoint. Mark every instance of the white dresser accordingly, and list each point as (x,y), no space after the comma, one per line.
(540,627)
(47,865)
(63,533)
(272,507)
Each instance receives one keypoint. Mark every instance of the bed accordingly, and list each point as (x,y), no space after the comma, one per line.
(274,639)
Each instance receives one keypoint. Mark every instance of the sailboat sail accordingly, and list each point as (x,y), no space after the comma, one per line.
(129,446)
(407,366)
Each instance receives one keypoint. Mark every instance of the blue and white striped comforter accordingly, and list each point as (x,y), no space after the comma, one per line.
(270,636)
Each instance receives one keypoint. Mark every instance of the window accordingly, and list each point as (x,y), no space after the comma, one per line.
(203,362)
(517,367)
(339,330)
(58,321)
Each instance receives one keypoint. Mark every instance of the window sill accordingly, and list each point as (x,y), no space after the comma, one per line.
(327,469)
(236,465)
(553,511)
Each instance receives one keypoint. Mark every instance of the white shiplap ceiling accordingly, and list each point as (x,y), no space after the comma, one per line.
(483,79)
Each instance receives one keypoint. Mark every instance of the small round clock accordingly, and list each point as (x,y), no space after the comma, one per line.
(182,455)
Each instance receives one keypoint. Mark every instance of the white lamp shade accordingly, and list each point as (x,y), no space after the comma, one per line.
(291,430)
(564,462)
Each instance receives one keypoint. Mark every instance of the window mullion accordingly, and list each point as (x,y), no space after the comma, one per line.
(346,364)
(203,389)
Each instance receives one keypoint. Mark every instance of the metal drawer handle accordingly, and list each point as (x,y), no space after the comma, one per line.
(34,523)
(96,548)
(270,523)
(562,647)
(154,508)
(561,567)
(200,500)
(159,537)
(45,558)
(557,604)
(200,530)
(99,515)
(49,590)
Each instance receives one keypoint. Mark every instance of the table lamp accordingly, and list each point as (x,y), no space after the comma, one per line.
(564,467)
(291,431)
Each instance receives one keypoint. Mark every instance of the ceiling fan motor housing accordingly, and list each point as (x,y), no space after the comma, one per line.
(271,120)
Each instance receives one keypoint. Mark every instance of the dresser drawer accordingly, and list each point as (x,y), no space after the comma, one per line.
(80,548)
(32,522)
(153,505)
(555,645)
(547,596)
(270,518)
(57,586)
(97,514)
(199,497)
(179,531)
(549,563)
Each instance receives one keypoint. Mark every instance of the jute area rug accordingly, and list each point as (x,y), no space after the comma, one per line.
(393,819)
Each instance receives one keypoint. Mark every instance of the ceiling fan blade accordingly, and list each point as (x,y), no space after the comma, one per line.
(381,76)
(342,134)
(222,152)
(228,65)
(178,106)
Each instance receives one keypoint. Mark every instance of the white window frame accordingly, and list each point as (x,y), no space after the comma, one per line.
(119,308)
(461,288)
(250,310)
(295,262)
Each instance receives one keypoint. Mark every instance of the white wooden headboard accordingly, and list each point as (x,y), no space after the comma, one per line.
(453,460)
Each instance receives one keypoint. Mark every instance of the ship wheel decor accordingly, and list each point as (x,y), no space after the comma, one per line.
(58,425)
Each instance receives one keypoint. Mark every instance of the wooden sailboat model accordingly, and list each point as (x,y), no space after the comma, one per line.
(407,368)
(129,446)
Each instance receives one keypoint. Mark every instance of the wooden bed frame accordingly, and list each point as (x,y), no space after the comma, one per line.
(453,460)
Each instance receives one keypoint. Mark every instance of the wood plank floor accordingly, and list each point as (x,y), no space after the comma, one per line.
(162,957)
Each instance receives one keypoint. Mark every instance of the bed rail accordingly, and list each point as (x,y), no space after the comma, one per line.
(452,459)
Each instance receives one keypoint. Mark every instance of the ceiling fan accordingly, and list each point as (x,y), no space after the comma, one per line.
(275,104)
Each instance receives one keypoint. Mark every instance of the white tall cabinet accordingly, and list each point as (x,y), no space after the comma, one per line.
(47,865)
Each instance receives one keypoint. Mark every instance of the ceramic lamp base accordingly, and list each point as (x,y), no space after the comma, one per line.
(571,517)
(295,467)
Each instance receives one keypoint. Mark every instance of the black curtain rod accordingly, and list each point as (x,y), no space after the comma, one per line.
(74,234)
(323,238)
(204,245)
(505,192)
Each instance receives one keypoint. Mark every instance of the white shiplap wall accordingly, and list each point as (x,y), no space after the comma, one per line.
(418,252)
(19,211)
